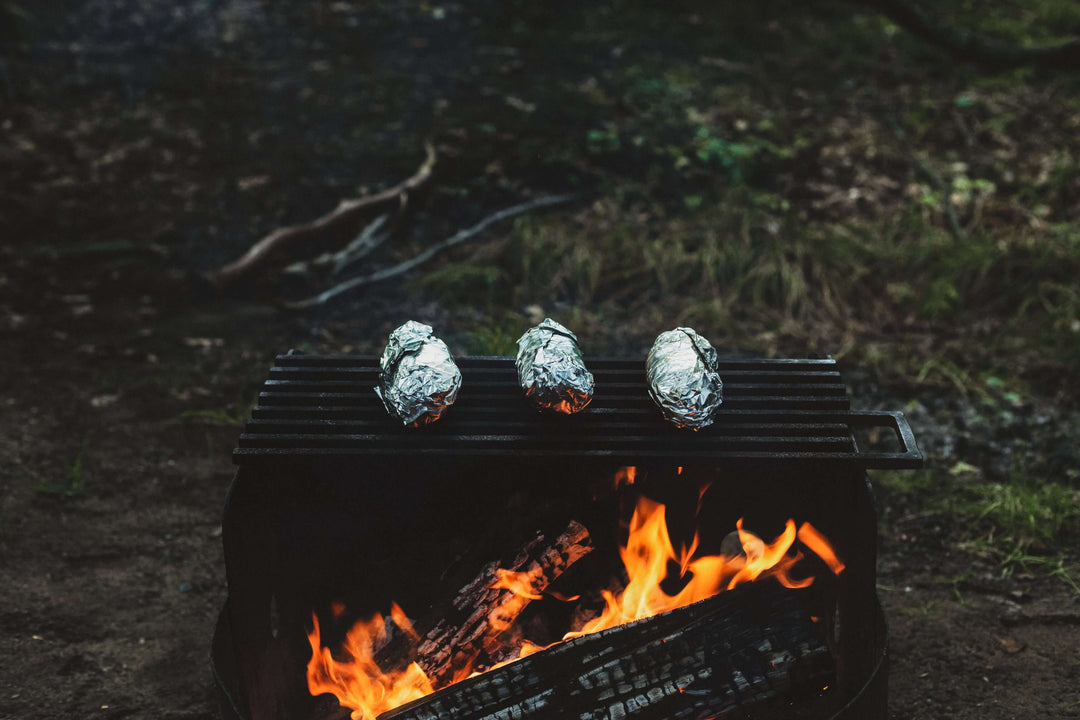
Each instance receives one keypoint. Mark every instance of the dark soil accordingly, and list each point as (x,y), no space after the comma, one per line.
(147,141)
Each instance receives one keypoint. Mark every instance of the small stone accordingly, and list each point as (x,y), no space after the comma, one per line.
(1011,645)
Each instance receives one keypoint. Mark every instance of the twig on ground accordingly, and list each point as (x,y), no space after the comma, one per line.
(273,253)
(365,243)
(331,264)
(456,239)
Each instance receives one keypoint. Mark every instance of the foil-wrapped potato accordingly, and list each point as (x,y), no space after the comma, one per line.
(551,370)
(418,378)
(682,376)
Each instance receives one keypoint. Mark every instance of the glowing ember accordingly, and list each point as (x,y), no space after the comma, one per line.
(358,682)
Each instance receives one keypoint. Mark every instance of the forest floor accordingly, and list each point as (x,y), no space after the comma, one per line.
(788,181)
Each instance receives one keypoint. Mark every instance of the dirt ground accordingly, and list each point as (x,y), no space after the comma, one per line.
(123,387)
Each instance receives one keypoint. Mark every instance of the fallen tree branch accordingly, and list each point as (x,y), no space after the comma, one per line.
(330,265)
(404,267)
(977,49)
(285,245)
(364,244)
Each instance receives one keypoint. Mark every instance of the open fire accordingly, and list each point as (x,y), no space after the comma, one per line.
(652,566)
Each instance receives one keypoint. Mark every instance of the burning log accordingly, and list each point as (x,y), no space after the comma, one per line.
(485,608)
(453,638)
(738,654)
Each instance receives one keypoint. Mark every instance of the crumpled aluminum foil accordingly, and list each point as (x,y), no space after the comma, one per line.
(681,370)
(418,378)
(551,370)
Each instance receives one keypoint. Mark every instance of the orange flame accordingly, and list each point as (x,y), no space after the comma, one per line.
(625,476)
(647,553)
(360,684)
(519,583)
(814,540)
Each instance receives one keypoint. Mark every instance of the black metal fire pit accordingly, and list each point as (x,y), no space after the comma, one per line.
(334,500)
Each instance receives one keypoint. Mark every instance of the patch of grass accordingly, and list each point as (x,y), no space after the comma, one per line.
(1057,566)
(1027,514)
(770,202)
(495,339)
(1022,524)
(467,284)
(1027,526)
(72,483)
(919,610)
(995,304)
(906,482)
(1032,23)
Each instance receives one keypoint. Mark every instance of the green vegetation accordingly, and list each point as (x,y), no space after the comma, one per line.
(754,278)
(1030,24)
(763,185)
(72,483)
(1028,526)
(493,340)
(1030,515)
(826,184)
(1022,524)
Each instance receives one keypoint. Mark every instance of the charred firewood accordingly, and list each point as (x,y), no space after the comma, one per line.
(472,627)
(739,654)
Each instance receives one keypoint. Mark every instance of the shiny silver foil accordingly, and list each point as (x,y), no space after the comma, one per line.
(418,378)
(551,370)
(681,370)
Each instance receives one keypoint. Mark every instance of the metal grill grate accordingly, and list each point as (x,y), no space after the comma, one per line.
(325,405)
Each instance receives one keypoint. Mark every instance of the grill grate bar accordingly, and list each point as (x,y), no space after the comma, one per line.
(514,401)
(533,425)
(325,405)
(524,442)
(632,375)
(594,364)
(608,389)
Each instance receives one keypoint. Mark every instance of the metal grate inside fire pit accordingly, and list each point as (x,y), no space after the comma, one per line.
(327,480)
(316,405)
